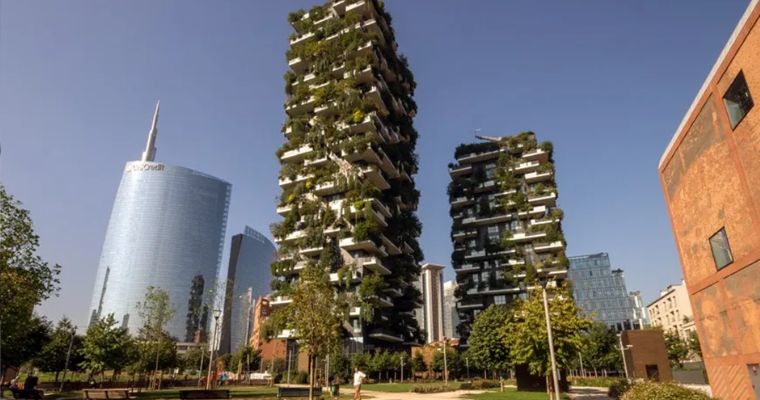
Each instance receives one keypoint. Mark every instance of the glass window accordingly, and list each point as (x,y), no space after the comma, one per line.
(499,300)
(720,249)
(737,99)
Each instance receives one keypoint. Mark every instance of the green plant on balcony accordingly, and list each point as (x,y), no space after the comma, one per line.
(556,213)
(365,230)
(296,16)
(546,146)
(545,167)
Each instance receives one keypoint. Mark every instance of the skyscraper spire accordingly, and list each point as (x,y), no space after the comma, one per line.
(150,148)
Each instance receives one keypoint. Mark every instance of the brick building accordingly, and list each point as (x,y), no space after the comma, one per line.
(710,175)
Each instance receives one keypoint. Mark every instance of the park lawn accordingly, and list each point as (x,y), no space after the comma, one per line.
(396,387)
(511,394)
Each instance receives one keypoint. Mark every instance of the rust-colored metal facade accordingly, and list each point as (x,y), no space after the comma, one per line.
(710,175)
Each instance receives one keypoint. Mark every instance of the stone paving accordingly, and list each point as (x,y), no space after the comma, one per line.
(577,393)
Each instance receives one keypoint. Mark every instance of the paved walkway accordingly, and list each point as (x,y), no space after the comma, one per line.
(419,396)
(588,393)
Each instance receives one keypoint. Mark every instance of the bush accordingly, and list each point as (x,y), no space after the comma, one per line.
(618,388)
(662,391)
(603,382)
(480,384)
(431,388)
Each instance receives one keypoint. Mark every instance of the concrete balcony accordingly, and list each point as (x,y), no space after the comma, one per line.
(476,157)
(286,334)
(461,235)
(354,277)
(297,154)
(369,155)
(373,264)
(326,110)
(350,244)
(486,220)
(533,177)
(287,182)
(300,108)
(394,292)
(374,175)
(521,237)
(292,237)
(467,268)
(374,96)
(311,251)
(362,76)
(545,200)
(355,311)
(535,211)
(284,210)
(461,201)
(460,170)
(469,306)
(487,185)
(390,246)
(384,301)
(326,188)
(536,155)
(386,336)
(525,167)
(298,65)
(407,249)
(280,301)
(301,38)
(547,247)
(363,8)
(472,254)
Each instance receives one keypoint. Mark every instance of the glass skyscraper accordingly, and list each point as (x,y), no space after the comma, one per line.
(600,291)
(248,277)
(166,230)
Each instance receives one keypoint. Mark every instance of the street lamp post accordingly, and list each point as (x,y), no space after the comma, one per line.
(544,281)
(217,314)
(445,364)
(402,367)
(622,353)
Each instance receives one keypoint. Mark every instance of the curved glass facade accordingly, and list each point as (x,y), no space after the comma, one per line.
(166,230)
(248,277)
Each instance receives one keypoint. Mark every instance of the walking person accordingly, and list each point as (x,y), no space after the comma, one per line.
(358,380)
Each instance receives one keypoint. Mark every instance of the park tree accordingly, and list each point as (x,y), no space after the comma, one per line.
(154,342)
(245,359)
(155,354)
(678,348)
(453,362)
(418,365)
(487,346)
(26,279)
(64,342)
(315,315)
(191,359)
(694,347)
(526,337)
(600,349)
(107,346)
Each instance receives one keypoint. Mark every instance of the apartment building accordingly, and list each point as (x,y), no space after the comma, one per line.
(672,311)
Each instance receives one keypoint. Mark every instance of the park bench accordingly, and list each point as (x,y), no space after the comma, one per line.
(106,394)
(297,391)
(204,394)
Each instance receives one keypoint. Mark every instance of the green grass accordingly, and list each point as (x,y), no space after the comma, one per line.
(511,394)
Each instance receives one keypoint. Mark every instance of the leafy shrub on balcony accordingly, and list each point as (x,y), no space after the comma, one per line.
(556,213)
(364,230)
(296,16)
(547,146)
(470,148)
(281,267)
(545,167)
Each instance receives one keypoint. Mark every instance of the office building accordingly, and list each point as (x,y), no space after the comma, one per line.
(166,230)
(248,277)
(347,169)
(640,313)
(600,291)
(431,284)
(506,225)
(672,311)
(450,314)
(710,176)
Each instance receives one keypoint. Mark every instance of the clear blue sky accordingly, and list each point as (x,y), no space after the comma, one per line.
(607,81)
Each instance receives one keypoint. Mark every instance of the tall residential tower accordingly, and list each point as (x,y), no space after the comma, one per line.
(166,230)
(347,167)
(506,225)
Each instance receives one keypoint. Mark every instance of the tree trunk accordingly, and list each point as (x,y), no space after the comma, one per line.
(311,377)
(56,376)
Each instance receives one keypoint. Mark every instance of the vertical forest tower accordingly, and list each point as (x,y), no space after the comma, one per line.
(507,229)
(348,196)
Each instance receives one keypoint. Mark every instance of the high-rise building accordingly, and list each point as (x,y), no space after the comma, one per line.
(431,284)
(506,225)
(672,311)
(450,315)
(640,314)
(348,196)
(600,291)
(710,175)
(166,230)
(248,277)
